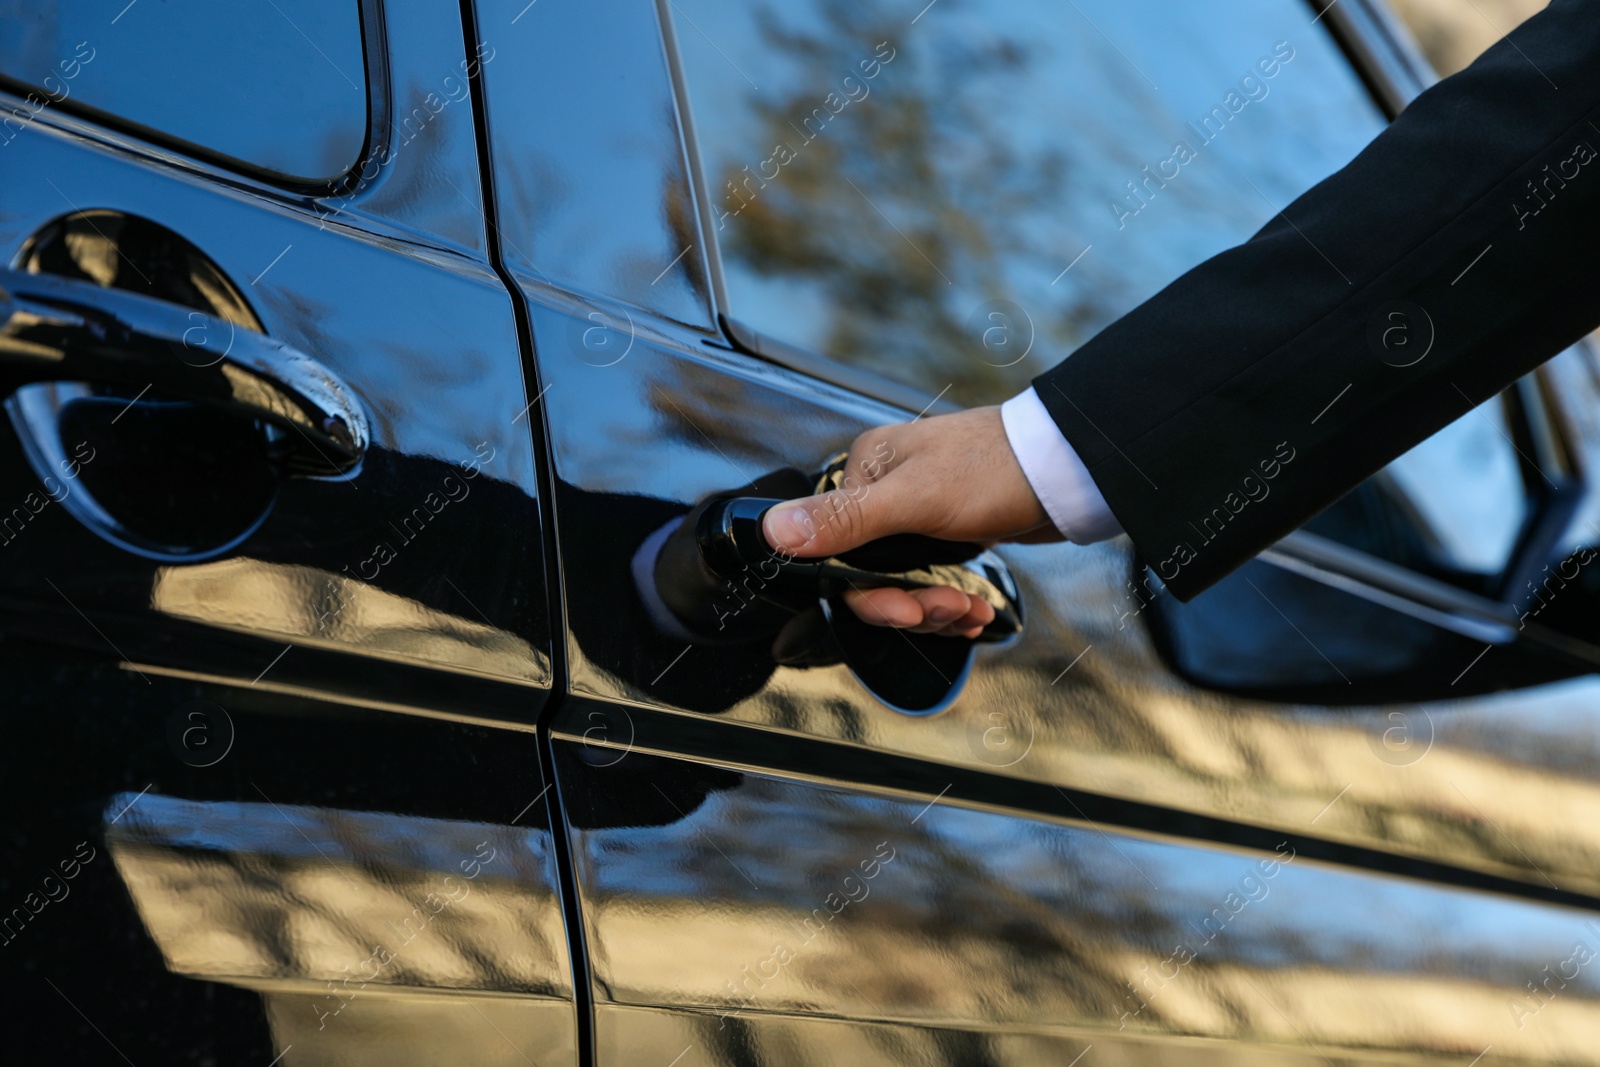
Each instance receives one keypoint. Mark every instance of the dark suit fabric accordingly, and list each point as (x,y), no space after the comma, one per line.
(1182,407)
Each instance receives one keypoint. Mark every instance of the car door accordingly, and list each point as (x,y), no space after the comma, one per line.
(276,630)
(743,235)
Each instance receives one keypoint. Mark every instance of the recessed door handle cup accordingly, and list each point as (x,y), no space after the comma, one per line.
(190,422)
(713,578)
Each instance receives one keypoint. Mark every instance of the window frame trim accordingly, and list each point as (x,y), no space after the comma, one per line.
(735,334)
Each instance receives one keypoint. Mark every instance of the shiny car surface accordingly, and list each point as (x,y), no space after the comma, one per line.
(361,359)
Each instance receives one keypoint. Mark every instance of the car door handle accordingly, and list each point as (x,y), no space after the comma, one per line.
(711,577)
(718,576)
(61,329)
(729,535)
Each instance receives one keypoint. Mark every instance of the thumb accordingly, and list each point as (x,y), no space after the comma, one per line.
(827,525)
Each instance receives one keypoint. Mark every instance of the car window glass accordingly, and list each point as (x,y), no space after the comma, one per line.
(959,199)
(280,86)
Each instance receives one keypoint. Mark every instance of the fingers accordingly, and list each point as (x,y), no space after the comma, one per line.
(885,607)
(823,525)
(980,613)
(951,476)
(862,510)
(943,610)
(790,528)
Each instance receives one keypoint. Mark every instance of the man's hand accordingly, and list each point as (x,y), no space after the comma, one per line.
(950,476)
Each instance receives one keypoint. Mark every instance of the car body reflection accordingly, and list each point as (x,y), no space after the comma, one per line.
(782,913)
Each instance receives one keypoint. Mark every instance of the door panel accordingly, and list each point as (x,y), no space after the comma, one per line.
(204,871)
(750,918)
(629,1034)
(303,775)
(1084,699)
(1470,781)
(1083,702)
(1079,723)
(360,565)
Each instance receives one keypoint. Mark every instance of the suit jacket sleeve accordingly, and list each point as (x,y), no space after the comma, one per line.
(1454,254)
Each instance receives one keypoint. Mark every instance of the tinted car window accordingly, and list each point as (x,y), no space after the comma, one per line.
(279,85)
(959,198)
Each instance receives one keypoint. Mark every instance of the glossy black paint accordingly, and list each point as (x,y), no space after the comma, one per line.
(459,799)
(1083,727)
(249,852)
(742,917)
(349,299)
(295,106)
(307,769)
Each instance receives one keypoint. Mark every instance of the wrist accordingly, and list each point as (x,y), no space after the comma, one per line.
(1058,478)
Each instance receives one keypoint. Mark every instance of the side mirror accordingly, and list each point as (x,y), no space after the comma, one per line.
(1316,620)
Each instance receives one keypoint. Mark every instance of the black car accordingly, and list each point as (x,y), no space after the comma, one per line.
(375,692)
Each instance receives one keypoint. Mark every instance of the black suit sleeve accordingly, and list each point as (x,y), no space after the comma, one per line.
(1264,384)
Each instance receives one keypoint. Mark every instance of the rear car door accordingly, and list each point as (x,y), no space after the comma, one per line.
(743,235)
(276,632)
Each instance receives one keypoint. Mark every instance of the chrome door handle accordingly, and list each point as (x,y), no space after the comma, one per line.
(60,329)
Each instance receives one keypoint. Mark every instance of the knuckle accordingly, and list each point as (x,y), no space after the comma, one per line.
(849,517)
(872,452)
(865,441)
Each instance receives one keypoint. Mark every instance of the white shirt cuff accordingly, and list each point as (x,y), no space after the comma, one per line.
(1058,477)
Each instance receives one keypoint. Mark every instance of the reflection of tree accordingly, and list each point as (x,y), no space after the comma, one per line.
(1453,32)
(984,918)
(924,155)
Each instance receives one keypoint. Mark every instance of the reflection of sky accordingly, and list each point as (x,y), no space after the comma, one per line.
(281,85)
(795,844)
(588,160)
